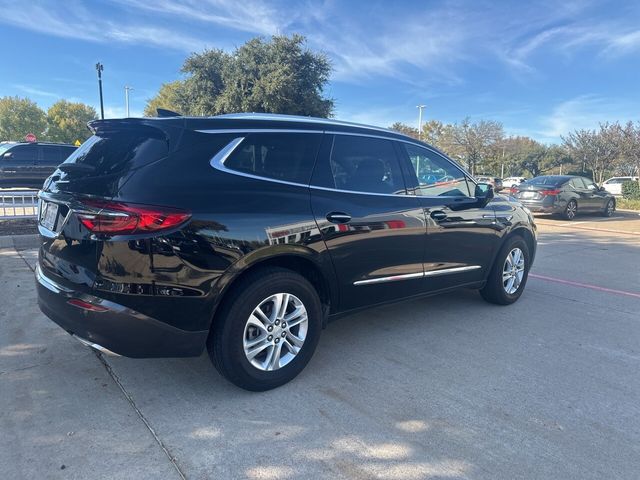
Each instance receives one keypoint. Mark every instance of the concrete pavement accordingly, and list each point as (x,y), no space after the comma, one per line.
(443,387)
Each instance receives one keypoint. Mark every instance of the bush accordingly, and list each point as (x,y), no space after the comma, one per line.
(631,190)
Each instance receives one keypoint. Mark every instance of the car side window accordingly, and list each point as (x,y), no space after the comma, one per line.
(435,175)
(576,184)
(588,184)
(280,156)
(24,153)
(51,155)
(365,164)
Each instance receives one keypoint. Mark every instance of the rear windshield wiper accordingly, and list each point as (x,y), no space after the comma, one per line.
(76,167)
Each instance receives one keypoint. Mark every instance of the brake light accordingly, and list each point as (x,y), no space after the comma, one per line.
(117,218)
(76,302)
(550,192)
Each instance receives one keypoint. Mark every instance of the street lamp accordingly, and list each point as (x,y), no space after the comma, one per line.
(126,99)
(99,69)
(420,107)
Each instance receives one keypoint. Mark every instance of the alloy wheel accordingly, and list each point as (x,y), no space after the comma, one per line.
(572,209)
(513,271)
(275,331)
(610,208)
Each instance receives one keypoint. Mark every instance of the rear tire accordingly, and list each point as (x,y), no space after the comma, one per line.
(235,334)
(609,208)
(508,275)
(571,210)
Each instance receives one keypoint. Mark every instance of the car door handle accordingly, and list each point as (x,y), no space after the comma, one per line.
(438,215)
(338,217)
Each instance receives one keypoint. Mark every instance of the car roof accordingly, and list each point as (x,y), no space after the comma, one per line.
(54,144)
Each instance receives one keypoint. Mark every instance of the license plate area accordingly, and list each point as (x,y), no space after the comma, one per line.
(528,195)
(49,215)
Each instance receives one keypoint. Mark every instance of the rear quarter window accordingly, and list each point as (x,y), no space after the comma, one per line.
(280,156)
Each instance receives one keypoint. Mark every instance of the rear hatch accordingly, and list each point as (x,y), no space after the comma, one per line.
(91,176)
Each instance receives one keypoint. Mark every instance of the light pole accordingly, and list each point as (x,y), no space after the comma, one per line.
(99,69)
(420,107)
(126,99)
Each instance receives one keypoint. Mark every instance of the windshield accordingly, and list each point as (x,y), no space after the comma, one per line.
(5,147)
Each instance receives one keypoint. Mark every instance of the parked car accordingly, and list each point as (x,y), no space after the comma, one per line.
(565,195)
(495,182)
(24,164)
(246,233)
(512,181)
(614,184)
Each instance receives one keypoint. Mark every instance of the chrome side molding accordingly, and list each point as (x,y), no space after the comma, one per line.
(407,276)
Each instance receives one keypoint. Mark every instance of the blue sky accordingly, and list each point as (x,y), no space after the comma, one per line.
(541,68)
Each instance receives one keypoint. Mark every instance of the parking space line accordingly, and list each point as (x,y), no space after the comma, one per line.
(584,285)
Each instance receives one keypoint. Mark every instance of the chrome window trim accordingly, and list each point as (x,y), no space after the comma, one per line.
(217,161)
(258,130)
(408,276)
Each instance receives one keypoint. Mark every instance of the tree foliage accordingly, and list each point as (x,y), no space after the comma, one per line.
(19,116)
(279,75)
(67,121)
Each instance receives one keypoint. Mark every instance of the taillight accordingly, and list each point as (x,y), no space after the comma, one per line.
(550,192)
(513,190)
(117,218)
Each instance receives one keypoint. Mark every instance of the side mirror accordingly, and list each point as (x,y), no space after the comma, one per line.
(484,193)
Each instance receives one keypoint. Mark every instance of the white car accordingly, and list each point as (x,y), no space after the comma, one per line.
(614,184)
(512,182)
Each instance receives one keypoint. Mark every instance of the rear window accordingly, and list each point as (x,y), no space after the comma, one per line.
(280,156)
(547,180)
(112,152)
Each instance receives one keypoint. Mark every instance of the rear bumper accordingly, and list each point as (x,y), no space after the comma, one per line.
(117,329)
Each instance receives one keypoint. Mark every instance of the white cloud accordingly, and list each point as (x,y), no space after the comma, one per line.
(584,112)
(74,21)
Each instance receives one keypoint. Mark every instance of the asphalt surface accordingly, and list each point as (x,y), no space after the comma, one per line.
(442,387)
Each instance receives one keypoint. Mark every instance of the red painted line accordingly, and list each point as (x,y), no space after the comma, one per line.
(585,285)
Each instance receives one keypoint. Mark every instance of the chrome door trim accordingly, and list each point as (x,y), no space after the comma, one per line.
(392,278)
(408,276)
(447,271)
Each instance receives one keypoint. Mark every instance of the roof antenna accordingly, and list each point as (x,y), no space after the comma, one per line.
(163,112)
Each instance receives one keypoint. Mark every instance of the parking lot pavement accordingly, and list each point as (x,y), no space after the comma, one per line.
(442,387)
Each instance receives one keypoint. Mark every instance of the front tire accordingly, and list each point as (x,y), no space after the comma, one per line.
(509,273)
(267,329)
(609,208)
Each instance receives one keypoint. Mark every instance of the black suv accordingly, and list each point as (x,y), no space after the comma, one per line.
(25,164)
(246,233)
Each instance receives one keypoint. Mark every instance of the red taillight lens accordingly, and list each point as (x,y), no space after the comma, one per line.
(550,192)
(513,190)
(117,218)
(76,302)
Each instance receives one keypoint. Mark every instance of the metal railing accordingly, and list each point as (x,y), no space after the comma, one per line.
(18,204)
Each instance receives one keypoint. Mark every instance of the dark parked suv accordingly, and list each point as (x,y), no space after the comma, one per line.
(247,233)
(29,164)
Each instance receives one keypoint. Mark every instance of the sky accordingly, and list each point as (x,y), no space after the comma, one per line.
(542,68)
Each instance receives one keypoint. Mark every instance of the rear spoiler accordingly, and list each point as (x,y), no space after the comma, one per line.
(169,128)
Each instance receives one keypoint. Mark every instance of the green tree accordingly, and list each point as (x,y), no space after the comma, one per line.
(279,75)
(476,143)
(19,116)
(67,121)
(169,97)
(404,129)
